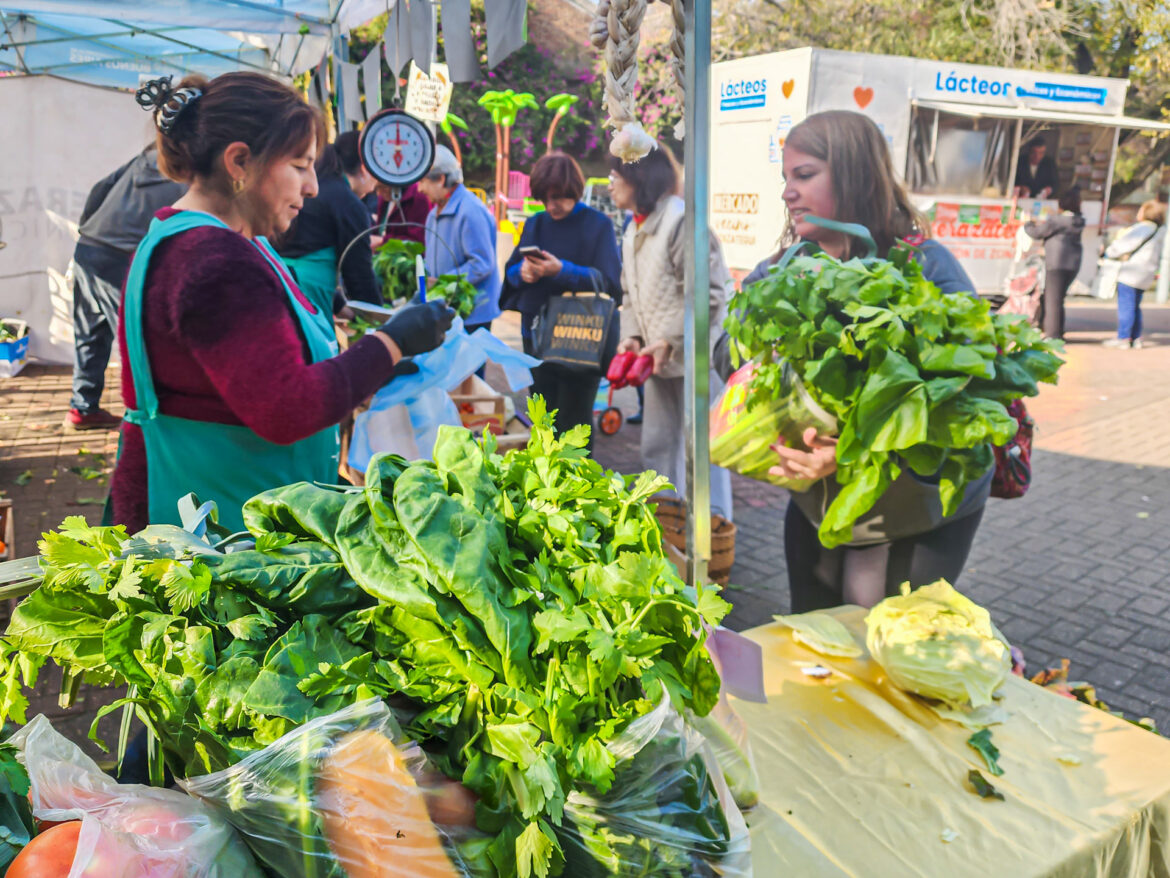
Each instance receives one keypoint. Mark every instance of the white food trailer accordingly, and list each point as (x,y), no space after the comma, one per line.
(955,131)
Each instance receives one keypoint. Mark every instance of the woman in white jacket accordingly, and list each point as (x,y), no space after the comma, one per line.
(654,257)
(1139,247)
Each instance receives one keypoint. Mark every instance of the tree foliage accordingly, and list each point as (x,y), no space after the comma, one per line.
(1128,39)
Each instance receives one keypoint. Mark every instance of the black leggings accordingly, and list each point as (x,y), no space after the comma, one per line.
(571,393)
(819,578)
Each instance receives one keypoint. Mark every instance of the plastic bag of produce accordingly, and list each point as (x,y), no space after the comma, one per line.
(745,426)
(127,830)
(726,735)
(668,813)
(937,643)
(344,796)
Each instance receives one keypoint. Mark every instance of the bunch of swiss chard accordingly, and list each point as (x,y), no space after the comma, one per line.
(517,613)
(394,263)
(456,291)
(917,380)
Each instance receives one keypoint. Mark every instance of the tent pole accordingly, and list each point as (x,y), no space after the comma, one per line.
(696,381)
(11,36)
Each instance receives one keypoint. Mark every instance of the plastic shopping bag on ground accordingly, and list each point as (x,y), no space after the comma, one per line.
(668,813)
(343,796)
(743,429)
(127,830)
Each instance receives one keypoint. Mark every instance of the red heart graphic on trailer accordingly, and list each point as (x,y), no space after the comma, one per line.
(863,96)
(787,87)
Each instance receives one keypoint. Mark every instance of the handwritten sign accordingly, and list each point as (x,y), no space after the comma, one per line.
(429,97)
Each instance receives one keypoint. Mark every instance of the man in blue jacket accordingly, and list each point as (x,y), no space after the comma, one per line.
(461,237)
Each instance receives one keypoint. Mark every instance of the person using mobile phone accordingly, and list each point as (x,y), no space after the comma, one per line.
(567,247)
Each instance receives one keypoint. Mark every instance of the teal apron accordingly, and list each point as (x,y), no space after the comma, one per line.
(222,462)
(316,275)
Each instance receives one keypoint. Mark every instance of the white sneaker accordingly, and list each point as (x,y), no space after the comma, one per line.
(1137,344)
(1116,343)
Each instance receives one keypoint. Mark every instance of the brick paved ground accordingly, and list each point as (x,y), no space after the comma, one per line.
(1075,569)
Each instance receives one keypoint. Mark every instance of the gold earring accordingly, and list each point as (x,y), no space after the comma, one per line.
(237,186)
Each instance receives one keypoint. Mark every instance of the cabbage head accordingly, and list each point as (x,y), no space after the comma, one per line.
(939,644)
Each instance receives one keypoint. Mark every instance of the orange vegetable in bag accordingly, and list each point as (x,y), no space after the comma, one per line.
(374,814)
(49,855)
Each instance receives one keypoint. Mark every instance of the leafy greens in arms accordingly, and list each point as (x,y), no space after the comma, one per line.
(917,380)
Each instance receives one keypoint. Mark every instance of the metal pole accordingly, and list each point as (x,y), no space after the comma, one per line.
(340,53)
(1108,182)
(698,288)
(1015,165)
(1162,290)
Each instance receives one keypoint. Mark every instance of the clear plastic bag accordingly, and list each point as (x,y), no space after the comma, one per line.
(742,434)
(344,796)
(668,814)
(127,830)
(727,736)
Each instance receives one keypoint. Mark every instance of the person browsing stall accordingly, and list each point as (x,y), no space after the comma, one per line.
(232,380)
(654,259)
(837,166)
(115,218)
(326,227)
(1061,235)
(567,247)
(461,237)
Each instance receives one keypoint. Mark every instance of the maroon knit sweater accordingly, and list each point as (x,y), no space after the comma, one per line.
(225,347)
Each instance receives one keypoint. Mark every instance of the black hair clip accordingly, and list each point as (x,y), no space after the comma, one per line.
(154,94)
(157,95)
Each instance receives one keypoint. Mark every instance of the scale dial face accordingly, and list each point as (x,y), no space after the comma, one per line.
(397,148)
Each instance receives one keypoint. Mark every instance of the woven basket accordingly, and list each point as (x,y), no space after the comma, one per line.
(672,517)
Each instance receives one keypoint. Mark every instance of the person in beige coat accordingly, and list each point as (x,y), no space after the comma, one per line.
(654,257)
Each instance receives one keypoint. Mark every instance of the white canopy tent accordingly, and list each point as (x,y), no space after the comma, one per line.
(63,134)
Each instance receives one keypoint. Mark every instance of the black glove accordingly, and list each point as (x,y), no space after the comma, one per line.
(405,366)
(417,329)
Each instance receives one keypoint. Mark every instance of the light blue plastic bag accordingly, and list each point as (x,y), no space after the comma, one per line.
(425,393)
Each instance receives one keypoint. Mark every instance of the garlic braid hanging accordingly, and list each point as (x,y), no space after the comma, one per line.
(678,49)
(623,20)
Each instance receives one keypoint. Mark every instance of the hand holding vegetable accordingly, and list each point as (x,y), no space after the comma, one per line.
(816,464)
(419,328)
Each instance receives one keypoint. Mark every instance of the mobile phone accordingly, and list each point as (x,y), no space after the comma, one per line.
(529,251)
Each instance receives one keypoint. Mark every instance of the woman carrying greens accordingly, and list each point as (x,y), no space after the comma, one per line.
(837,166)
(232,380)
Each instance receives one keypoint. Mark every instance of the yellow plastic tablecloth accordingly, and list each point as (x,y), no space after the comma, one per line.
(860,779)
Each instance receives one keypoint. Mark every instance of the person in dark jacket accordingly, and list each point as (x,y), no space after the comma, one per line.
(1036,175)
(577,252)
(115,218)
(1061,235)
(328,225)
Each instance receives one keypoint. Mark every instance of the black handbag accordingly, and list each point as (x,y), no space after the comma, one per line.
(577,331)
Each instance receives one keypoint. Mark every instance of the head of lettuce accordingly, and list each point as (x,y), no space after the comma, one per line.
(938,644)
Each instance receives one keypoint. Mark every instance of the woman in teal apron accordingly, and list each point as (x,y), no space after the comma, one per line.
(327,226)
(233,382)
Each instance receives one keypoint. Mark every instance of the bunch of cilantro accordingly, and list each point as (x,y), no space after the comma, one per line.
(918,380)
(517,613)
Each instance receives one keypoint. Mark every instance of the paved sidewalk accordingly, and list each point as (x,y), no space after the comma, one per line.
(1073,570)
